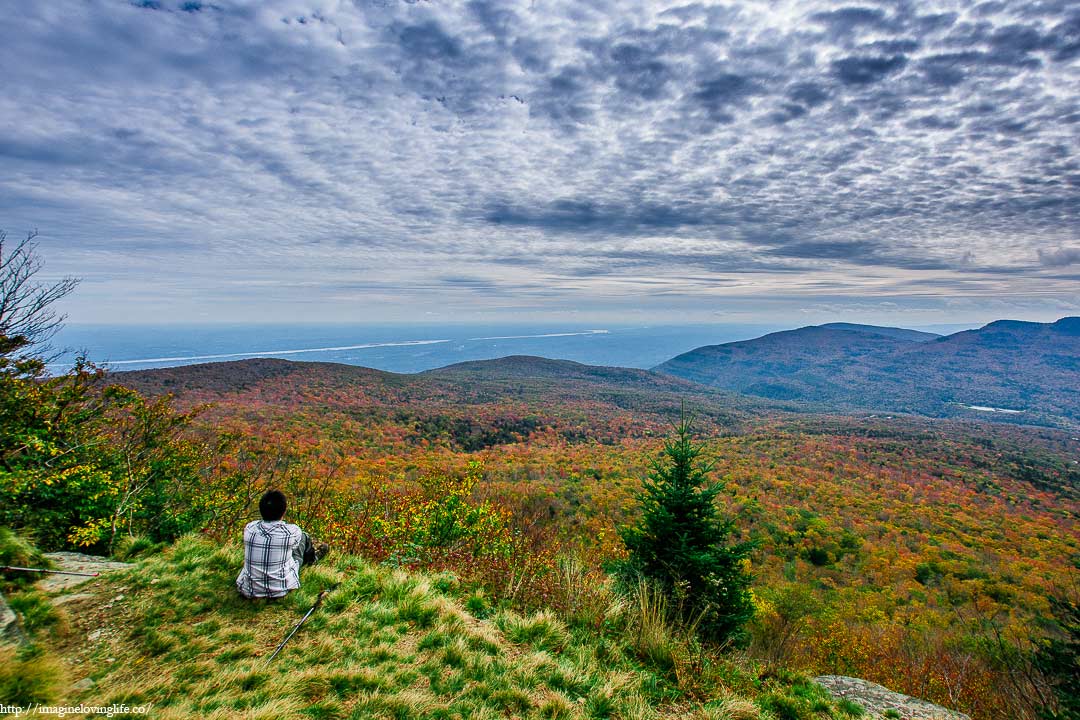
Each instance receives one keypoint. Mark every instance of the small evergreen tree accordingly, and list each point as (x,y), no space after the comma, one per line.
(683,545)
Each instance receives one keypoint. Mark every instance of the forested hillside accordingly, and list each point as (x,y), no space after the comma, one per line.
(1016,371)
(932,556)
(884,547)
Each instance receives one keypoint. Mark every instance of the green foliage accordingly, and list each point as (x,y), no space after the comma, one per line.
(50,478)
(81,463)
(849,708)
(1059,661)
(683,545)
(17,549)
(441,518)
(781,616)
(28,676)
(34,610)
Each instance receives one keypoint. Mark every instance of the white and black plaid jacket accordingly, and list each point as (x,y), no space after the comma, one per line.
(273,553)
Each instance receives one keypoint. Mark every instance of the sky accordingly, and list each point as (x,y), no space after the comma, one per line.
(895,162)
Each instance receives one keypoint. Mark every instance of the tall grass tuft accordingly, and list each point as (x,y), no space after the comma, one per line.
(131,547)
(28,675)
(542,630)
(19,550)
(654,640)
(729,709)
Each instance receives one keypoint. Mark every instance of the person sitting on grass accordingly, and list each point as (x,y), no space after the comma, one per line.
(274,551)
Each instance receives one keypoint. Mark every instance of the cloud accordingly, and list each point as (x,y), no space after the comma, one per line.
(1062,257)
(471,152)
(864,70)
(723,92)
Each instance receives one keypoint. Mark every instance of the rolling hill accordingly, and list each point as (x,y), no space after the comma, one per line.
(1020,370)
(467,406)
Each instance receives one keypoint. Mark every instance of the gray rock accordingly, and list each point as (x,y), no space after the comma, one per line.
(75,562)
(72,598)
(9,623)
(876,699)
(84,684)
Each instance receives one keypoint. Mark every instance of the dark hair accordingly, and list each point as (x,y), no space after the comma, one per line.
(272,505)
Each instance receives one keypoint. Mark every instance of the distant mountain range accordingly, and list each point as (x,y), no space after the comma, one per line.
(1008,370)
(1023,369)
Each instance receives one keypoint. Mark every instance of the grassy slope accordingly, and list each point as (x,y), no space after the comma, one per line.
(386,644)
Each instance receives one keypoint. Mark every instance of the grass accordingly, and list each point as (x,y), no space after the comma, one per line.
(18,550)
(385,644)
(854,710)
(28,675)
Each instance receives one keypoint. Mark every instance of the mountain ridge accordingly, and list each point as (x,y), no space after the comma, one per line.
(896,332)
(1033,367)
(1029,369)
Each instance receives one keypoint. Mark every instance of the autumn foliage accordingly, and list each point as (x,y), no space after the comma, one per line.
(919,554)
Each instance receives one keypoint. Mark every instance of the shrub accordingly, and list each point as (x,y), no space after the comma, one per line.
(129,547)
(782,614)
(541,630)
(683,545)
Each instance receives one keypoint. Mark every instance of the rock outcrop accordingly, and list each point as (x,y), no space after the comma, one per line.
(880,702)
(75,562)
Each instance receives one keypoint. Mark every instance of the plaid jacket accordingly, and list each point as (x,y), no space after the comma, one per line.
(273,553)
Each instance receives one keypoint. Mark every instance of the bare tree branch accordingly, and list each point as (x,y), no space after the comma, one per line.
(27,318)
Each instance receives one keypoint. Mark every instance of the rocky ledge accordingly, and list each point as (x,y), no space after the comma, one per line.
(52,583)
(880,702)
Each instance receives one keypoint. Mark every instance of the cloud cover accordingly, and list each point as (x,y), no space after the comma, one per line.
(382,159)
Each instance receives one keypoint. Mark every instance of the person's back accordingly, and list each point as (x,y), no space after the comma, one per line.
(274,551)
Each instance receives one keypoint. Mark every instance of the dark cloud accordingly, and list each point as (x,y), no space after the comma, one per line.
(638,72)
(847,19)
(1062,257)
(722,93)
(531,55)
(949,69)
(865,70)
(1066,38)
(498,19)
(428,42)
(581,216)
(808,93)
(565,98)
(934,122)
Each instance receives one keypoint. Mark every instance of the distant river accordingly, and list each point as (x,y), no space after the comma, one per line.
(396,348)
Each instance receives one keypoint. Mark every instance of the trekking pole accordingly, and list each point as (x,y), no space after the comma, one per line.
(46,570)
(318,602)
